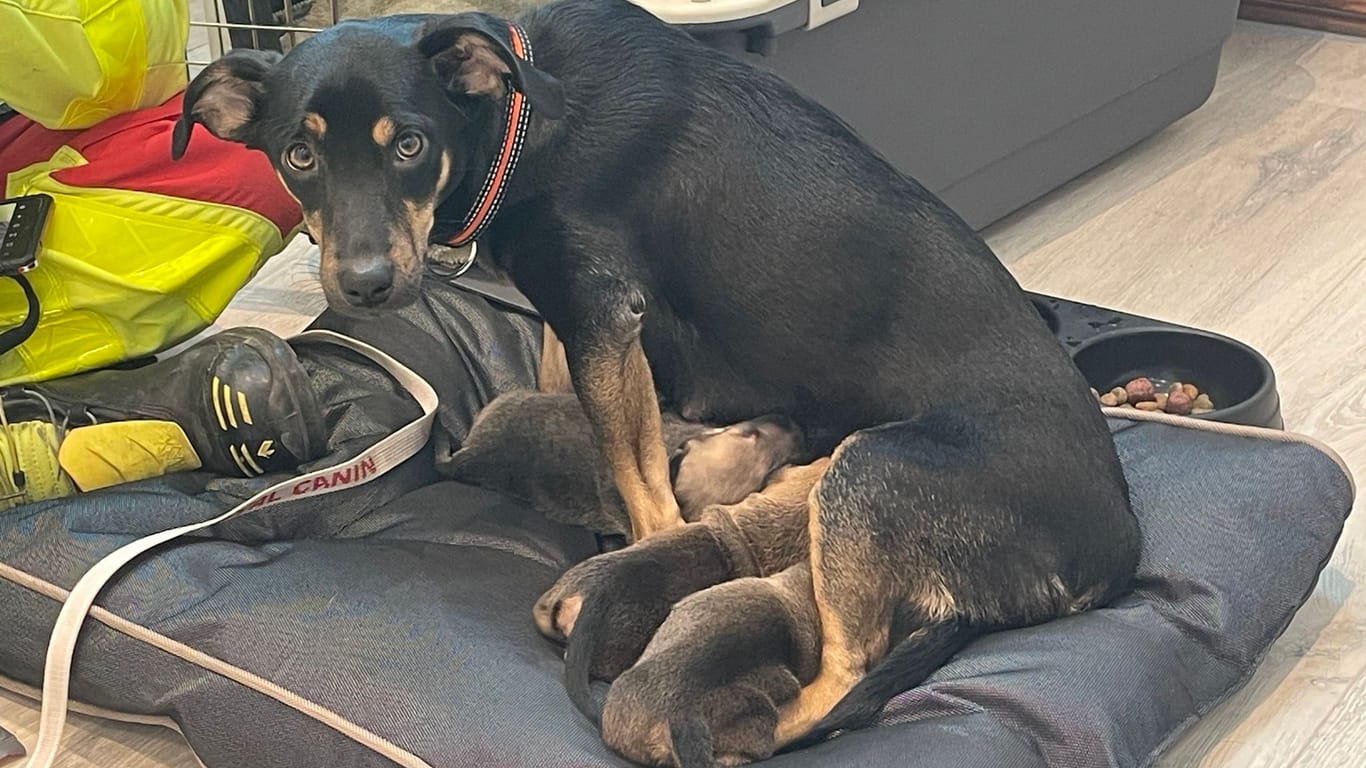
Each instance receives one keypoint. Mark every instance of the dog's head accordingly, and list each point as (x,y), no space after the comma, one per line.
(370,125)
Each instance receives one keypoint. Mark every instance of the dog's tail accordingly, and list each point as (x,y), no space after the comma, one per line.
(909,664)
(589,627)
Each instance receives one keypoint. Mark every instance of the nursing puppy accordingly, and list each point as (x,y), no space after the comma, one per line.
(539,447)
(734,482)
(635,591)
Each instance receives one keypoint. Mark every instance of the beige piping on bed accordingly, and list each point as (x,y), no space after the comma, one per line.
(1239,430)
(238,675)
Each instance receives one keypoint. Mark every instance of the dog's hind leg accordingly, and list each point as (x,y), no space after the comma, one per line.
(855,585)
(845,653)
(613,381)
(888,618)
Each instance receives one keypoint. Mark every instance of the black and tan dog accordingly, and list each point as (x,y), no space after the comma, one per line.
(695,230)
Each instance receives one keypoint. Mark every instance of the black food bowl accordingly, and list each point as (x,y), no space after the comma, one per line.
(1238,379)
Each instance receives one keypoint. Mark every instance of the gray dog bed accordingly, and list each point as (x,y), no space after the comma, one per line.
(391,624)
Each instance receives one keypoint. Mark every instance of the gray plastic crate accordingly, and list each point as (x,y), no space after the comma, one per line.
(990,103)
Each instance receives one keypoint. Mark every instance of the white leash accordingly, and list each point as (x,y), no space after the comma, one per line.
(385,455)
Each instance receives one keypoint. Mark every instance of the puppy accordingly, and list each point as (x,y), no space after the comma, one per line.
(691,703)
(725,465)
(539,448)
(612,604)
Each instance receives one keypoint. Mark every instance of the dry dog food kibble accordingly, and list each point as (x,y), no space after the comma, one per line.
(1179,398)
(1140,391)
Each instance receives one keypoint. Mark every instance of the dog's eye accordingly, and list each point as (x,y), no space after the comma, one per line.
(300,157)
(409,145)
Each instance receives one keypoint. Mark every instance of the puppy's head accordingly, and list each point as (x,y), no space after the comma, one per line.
(707,689)
(371,125)
(724,466)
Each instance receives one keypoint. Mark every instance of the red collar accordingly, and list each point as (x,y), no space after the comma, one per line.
(514,137)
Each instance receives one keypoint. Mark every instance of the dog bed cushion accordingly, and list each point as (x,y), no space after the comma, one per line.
(378,629)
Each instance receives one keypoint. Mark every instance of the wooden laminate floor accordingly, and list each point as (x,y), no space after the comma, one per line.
(1248,218)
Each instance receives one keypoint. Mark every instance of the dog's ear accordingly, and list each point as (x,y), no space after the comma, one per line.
(472,55)
(224,97)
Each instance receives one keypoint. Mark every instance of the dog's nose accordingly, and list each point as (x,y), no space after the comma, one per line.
(368,283)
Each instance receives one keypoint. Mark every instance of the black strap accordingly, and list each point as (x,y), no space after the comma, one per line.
(503,294)
(19,334)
